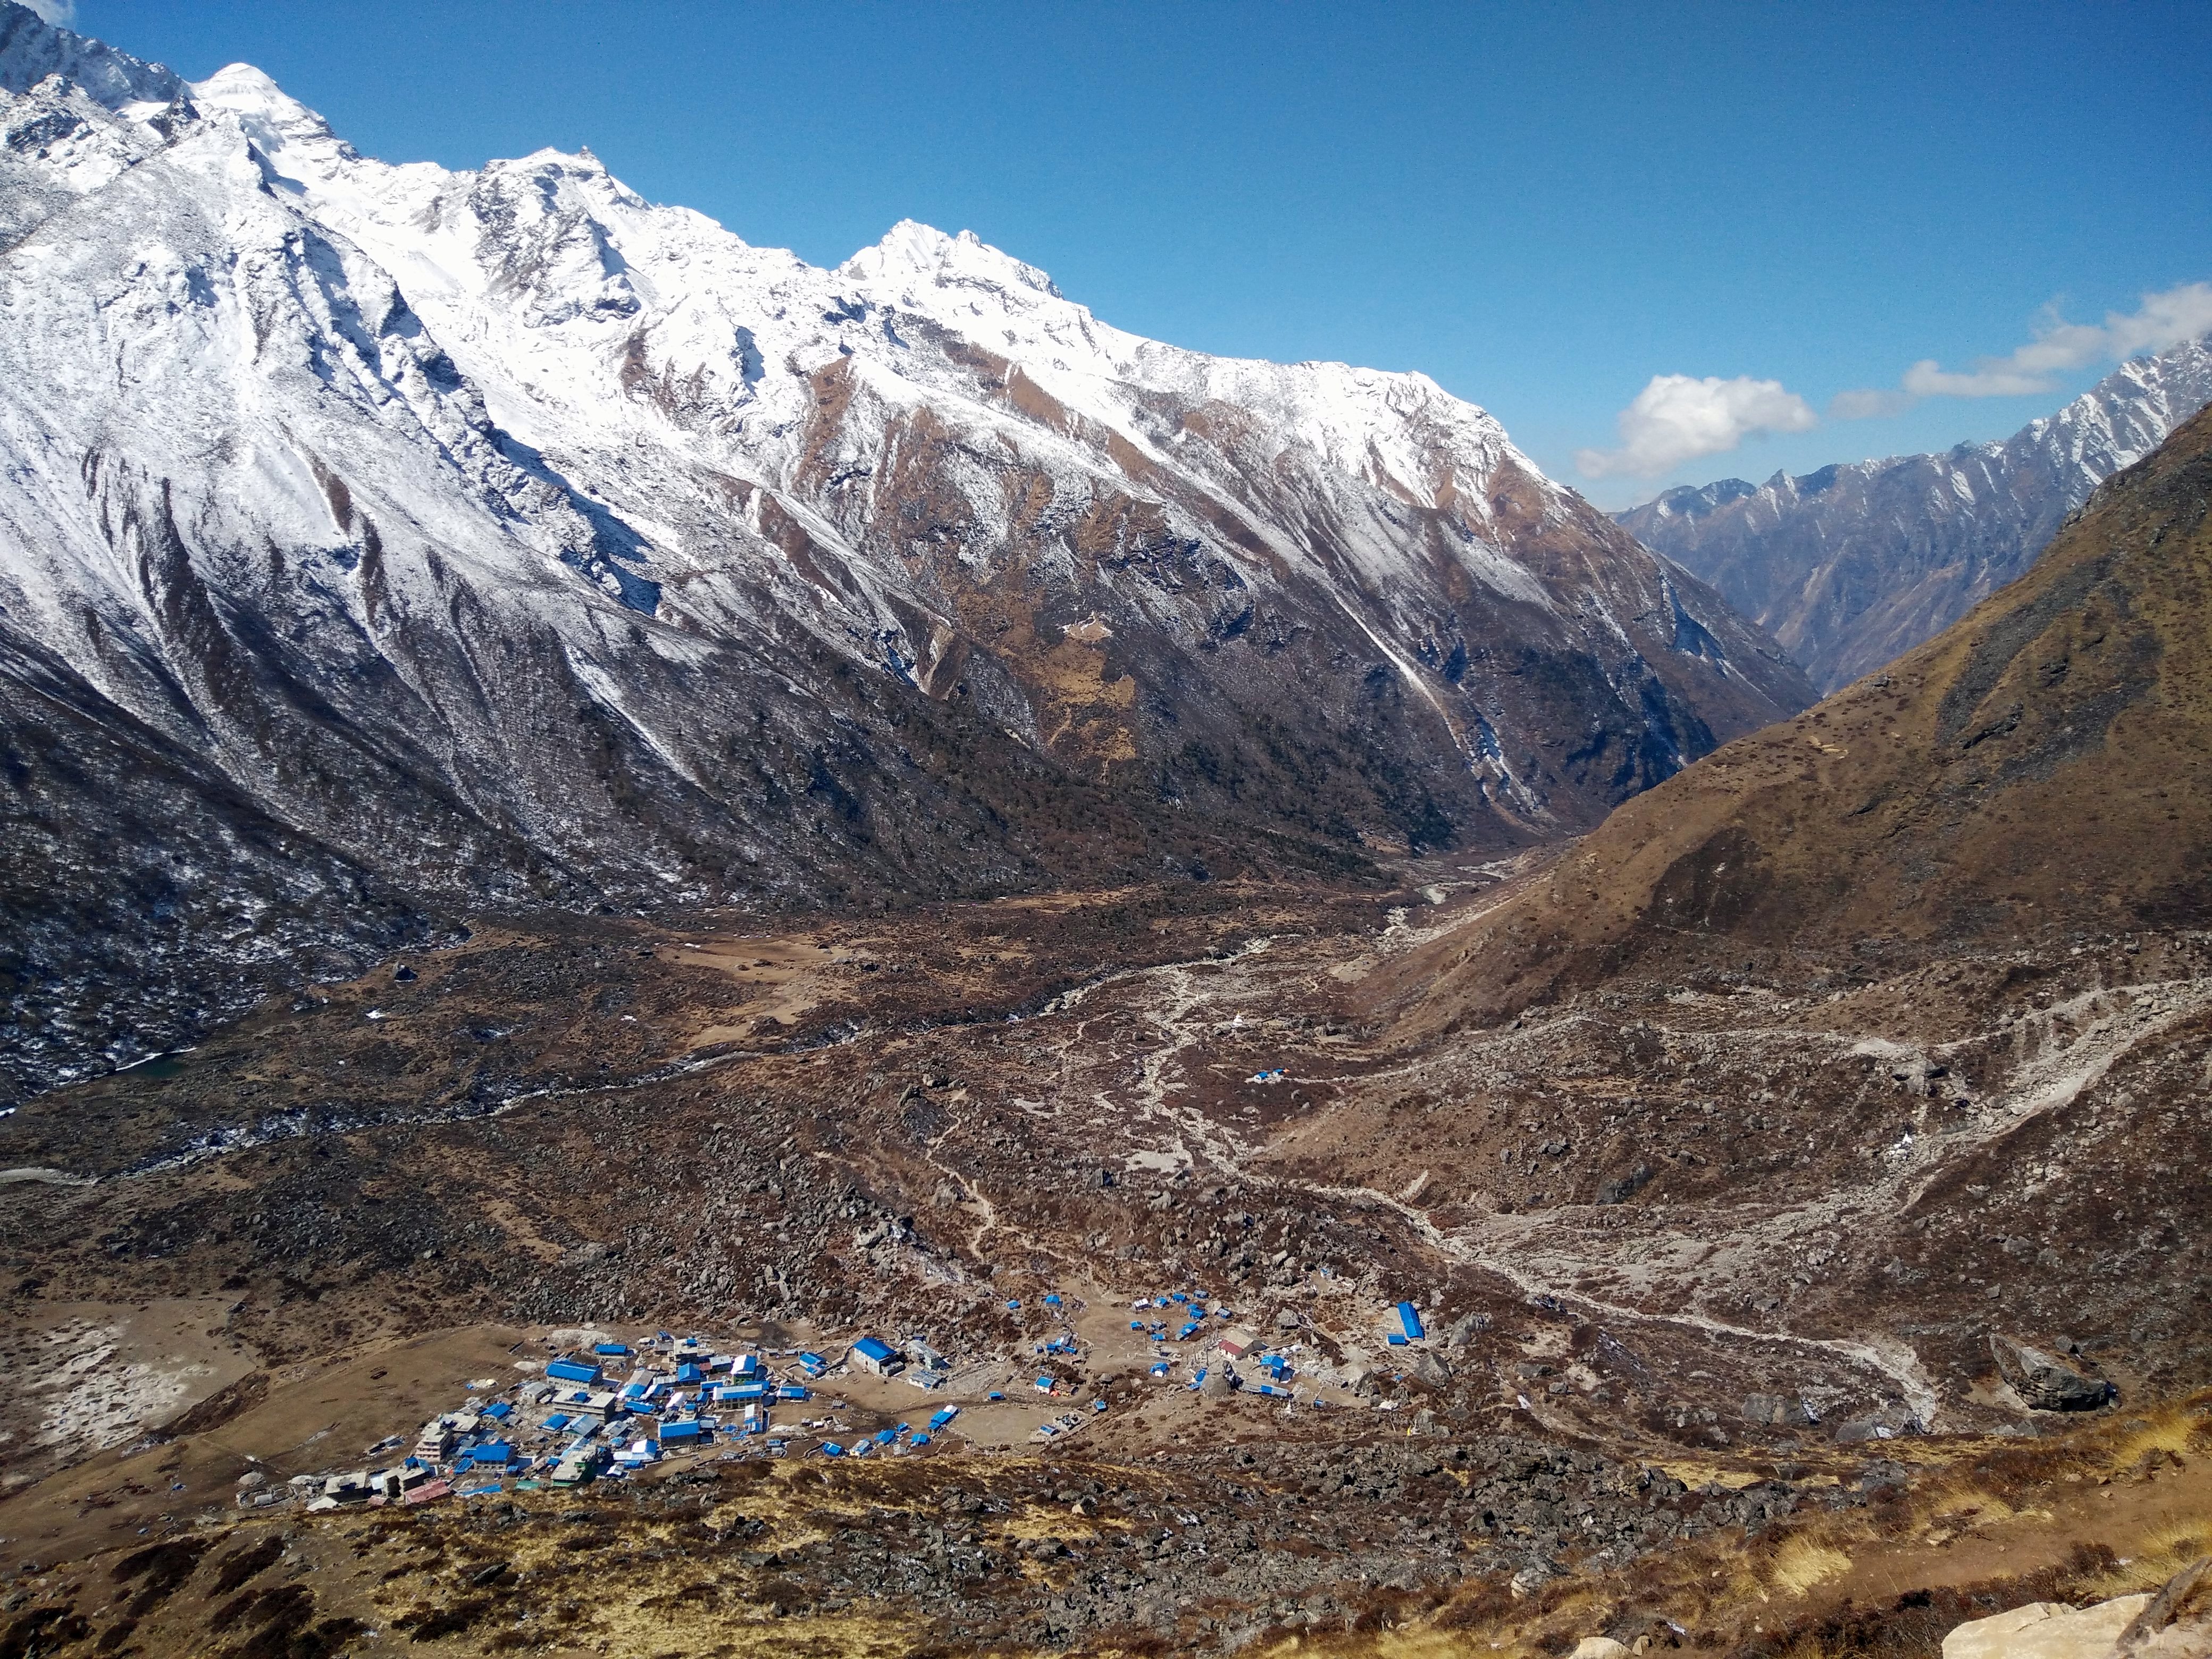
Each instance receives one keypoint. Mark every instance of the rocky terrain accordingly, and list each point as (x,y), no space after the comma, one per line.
(382,543)
(1853,564)
(1769,1223)
(1832,1218)
(1626,1412)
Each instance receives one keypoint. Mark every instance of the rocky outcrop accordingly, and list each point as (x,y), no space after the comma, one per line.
(2046,1630)
(2043,1381)
(2175,1622)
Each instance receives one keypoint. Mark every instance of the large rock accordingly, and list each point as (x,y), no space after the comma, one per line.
(2176,1622)
(1777,1411)
(2045,1382)
(2046,1630)
(1430,1369)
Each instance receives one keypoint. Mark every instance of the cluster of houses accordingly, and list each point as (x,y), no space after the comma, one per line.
(612,1411)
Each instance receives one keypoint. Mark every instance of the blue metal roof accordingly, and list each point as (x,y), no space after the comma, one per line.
(869,1348)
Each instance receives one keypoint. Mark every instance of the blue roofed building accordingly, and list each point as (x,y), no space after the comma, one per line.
(876,1357)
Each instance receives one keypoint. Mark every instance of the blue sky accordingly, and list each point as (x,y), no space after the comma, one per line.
(1542,206)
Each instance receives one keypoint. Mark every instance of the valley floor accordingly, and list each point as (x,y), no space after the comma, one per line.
(1707,1269)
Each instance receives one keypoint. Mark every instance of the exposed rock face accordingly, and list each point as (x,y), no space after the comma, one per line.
(2176,1622)
(2045,1630)
(1777,1411)
(2043,1380)
(2173,1623)
(445,540)
(1853,565)
(1430,1369)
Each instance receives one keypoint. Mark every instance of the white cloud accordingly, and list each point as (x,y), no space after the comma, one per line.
(1992,377)
(1678,418)
(1866,405)
(61,13)
(2163,319)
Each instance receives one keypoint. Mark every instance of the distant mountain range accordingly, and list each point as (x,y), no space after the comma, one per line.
(1853,565)
(384,542)
(2037,771)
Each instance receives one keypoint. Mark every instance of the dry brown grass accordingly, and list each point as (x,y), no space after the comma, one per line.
(2115,1507)
(1804,1560)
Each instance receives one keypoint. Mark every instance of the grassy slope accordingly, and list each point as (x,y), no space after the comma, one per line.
(2038,768)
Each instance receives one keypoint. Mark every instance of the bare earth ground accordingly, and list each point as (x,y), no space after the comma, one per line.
(1624,1215)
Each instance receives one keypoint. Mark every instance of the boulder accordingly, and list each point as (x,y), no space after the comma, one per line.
(1465,1326)
(1777,1411)
(2176,1622)
(2043,1381)
(1529,1579)
(1599,1647)
(2046,1630)
(1430,1369)
(1625,1186)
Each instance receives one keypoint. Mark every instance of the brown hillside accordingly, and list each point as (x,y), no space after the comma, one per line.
(2038,769)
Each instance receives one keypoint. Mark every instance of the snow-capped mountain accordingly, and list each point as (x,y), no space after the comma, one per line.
(380,541)
(1856,564)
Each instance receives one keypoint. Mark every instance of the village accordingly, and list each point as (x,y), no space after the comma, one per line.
(603,1408)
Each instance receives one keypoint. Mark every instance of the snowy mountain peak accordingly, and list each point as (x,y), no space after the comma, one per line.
(249,93)
(911,249)
(280,127)
(31,49)
(1856,563)
(615,558)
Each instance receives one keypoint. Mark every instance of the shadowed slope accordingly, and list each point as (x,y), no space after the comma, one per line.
(2038,769)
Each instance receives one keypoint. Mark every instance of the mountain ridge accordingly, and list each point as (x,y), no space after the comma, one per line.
(2033,772)
(509,540)
(1855,563)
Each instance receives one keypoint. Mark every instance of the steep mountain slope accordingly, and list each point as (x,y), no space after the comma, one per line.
(1882,1033)
(500,538)
(1852,565)
(2038,771)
